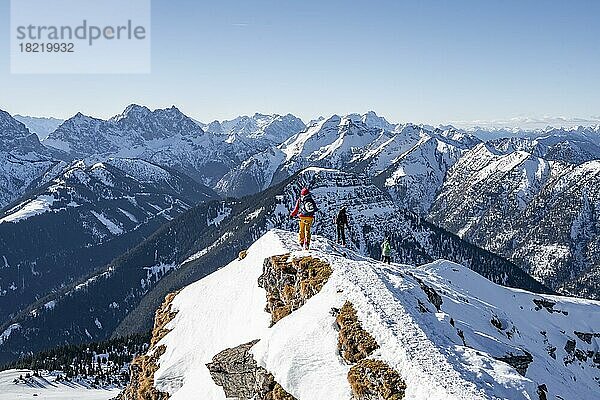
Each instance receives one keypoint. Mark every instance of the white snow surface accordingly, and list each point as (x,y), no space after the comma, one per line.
(110,225)
(8,331)
(226,309)
(44,388)
(37,206)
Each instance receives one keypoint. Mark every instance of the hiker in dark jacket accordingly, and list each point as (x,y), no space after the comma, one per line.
(341,222)
(305,210)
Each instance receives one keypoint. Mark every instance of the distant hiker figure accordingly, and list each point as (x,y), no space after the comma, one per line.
(305,210)
(386,251)
(341,221)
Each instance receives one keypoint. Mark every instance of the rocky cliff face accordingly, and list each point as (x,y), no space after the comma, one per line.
(23,159)
(143,367)
(289,283)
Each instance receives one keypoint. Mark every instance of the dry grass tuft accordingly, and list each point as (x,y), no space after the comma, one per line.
(375,379)
(354,342)
(163,316)
(279,393)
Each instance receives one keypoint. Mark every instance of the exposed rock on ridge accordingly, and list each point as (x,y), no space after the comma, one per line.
(143,367)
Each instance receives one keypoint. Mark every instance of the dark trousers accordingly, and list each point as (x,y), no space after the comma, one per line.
(386,259)
(341,234)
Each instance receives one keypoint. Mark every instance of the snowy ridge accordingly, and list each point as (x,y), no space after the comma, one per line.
(127,182)
(452,352)
(39,205)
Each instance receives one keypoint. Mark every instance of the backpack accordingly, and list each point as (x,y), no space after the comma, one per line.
(308,206)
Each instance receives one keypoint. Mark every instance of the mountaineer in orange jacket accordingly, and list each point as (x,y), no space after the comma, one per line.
(305,210)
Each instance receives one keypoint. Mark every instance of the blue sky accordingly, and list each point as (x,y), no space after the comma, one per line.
(419,61)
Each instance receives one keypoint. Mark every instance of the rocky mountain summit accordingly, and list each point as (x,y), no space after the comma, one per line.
(319,325)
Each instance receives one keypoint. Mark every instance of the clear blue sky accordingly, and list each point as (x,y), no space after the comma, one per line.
(421,61)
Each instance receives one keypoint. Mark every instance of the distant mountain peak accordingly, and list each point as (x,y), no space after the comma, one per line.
(14,136)
(132,111)
(41,126)
(10,126)
(136,108)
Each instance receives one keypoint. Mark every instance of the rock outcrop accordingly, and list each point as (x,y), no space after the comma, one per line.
(520,362)
(143,367)
(432,295)
(289,283)
(236,371)
(375,380)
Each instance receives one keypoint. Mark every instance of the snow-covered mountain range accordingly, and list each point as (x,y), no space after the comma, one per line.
(123,294)
(488,193)
(168,137)
(104,218)
(541,214)
(364,144)
(312,325)
(256,132)
(82,219)
(574,146)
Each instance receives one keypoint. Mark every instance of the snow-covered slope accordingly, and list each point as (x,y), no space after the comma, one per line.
(541,214)
(46,387)
(41,126)
(415,174)
(446,331)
